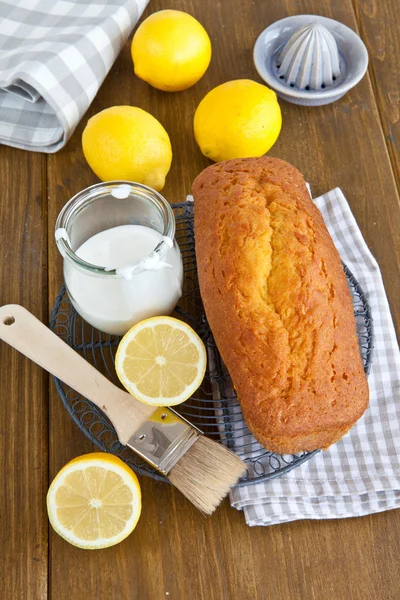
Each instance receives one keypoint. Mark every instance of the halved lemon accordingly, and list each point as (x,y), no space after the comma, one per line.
(161,361)
(94,501)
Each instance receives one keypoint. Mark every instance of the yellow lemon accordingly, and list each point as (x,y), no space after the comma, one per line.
(237,119)
(126,142)
(171,50)
(161,361)
(94,501)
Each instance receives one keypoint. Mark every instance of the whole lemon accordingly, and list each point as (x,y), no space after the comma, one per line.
(126,142)
(171,50)
(237,119)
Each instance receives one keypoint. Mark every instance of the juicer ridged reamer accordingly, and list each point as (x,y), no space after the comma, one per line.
(310,59)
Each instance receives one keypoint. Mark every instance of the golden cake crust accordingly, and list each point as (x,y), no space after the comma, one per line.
(277,301)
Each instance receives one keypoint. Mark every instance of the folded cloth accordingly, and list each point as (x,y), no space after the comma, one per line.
(360,474)
(54,56)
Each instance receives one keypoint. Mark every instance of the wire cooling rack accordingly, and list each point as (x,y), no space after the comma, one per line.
(214,408)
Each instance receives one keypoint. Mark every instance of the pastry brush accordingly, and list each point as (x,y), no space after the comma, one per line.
(203,470)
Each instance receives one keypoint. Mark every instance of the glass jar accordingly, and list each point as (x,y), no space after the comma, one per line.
(129,229)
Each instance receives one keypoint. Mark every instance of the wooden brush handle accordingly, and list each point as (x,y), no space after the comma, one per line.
(20,329)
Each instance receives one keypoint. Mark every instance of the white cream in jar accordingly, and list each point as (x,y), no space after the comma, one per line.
(123,274)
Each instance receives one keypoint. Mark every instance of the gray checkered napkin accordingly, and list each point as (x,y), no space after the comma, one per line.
(54,56)
(361,473)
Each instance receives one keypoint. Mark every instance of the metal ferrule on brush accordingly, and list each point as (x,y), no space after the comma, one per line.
(164,439)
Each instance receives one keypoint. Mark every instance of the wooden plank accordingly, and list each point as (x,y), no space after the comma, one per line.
(174,552)
(24,387)
(378,25)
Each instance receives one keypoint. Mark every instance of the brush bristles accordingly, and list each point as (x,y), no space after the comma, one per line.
(206,473)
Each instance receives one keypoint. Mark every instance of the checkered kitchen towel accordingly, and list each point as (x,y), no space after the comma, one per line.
(54,56)
(361,473)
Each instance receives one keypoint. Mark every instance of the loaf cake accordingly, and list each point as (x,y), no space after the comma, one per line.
(277,301)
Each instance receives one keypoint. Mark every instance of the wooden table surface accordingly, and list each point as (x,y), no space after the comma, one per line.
(174,553)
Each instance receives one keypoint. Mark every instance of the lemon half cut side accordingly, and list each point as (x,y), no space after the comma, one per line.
(94,501)
(161,361)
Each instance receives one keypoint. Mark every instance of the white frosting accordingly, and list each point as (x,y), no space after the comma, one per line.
(121,191)
(62,234)
(149,282)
